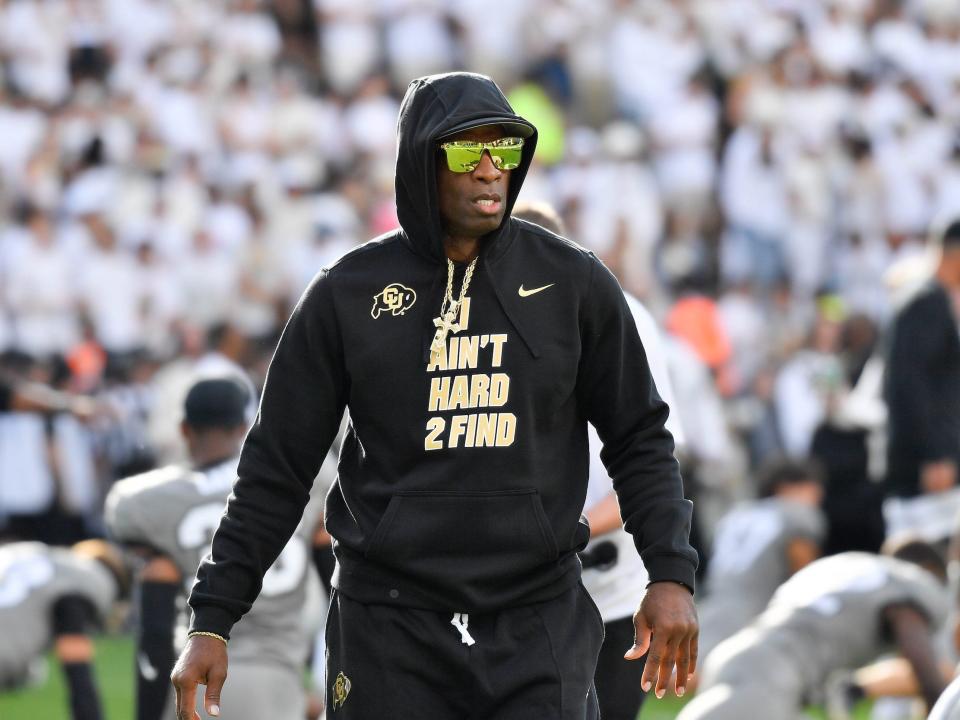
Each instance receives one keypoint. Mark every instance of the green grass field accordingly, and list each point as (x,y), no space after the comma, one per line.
(114,669)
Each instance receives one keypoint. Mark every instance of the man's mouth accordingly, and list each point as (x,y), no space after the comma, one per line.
(487,204)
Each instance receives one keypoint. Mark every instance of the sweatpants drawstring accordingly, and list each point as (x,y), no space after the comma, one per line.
(461,621)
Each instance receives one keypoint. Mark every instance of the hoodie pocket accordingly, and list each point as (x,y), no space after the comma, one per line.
(470,540)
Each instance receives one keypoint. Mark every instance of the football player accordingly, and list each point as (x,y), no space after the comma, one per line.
(51,595)
(890,680)
(170,514)
(837,613)
(757,546)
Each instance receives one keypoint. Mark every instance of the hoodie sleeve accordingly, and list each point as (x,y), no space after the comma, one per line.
(303,400)
(621,400)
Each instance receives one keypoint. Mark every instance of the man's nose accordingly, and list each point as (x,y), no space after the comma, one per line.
(487,170)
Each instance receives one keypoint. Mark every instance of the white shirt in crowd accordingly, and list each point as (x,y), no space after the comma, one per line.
(41,293)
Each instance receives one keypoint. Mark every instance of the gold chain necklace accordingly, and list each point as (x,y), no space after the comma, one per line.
(446,323)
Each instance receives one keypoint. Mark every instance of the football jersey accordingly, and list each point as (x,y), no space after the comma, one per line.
(749,562)
(948,704)
(176,511)
(33,577)
(828,616)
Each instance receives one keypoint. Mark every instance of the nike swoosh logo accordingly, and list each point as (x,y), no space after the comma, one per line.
(534,291)
(148,671)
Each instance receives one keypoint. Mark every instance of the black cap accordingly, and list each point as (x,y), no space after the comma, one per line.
(511,128)
(216,403)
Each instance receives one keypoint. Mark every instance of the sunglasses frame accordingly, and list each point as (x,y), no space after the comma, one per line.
(511,143)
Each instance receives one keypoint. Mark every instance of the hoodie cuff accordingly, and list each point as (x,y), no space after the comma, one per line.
(672,568)
(210,618)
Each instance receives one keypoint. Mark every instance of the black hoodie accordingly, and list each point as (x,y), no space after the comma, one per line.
(461,481)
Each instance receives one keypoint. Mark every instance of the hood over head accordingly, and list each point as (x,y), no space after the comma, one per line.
(433,108)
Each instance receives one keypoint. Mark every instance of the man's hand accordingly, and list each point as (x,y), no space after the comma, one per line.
(666,625)
(939,476)
(204,662)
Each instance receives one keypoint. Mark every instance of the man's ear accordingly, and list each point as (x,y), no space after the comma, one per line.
(185,431)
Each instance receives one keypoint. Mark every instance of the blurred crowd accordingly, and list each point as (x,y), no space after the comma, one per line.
(762,174)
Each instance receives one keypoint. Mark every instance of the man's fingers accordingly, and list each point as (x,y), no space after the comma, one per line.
(215,680)
(666,624)
(186,699)
(176,708)
(652,666)
(641,638)
(203,660)
(694,652)
(665,668)
(683,667)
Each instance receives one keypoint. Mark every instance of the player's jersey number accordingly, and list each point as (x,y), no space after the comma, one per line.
(19,577)
(285,575)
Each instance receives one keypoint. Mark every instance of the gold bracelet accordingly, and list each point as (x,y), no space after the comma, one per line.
(204,633)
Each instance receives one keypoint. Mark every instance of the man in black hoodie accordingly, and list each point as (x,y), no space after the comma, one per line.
(471,350)
(922,390)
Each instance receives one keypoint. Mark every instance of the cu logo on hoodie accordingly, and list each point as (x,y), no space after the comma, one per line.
(394,298)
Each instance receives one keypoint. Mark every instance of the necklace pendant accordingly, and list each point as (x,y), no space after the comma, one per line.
(444,325)
(439,342)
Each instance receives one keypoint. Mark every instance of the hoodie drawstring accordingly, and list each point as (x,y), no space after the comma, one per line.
(461,621)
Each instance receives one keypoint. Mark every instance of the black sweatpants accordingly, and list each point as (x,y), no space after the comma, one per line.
(618,680)
(534,662)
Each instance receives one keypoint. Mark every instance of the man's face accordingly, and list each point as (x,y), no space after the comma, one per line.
(472,203)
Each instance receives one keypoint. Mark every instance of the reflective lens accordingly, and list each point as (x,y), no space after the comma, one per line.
(464,155)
